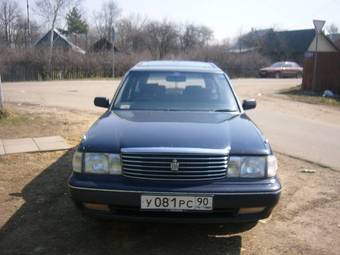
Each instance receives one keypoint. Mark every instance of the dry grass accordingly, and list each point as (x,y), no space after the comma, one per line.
(29,122)
(4,114)
(300,95)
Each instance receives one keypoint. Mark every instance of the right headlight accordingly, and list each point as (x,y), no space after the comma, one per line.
(97,163)
(252,167)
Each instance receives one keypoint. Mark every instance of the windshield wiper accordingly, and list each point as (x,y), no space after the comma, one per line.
(225,110)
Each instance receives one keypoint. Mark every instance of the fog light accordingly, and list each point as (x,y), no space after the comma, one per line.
(99,207)
(251,210)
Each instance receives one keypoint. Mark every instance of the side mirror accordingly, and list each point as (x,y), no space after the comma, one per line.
(101,102)
(249,104)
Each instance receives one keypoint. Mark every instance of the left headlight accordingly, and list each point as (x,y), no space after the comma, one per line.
(98,163)
(102,163)
(252,167)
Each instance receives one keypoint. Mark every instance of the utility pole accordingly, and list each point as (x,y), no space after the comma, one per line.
(113,35)
(2,106)
(28,24)
(315,62)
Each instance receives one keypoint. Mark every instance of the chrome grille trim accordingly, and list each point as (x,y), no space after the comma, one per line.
(183,167)
(151,164)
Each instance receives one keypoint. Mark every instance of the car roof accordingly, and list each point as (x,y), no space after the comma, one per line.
(171,65)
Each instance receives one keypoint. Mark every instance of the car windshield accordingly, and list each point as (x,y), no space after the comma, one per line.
(181,91)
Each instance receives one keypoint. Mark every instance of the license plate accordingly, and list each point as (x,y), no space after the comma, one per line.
(176,203)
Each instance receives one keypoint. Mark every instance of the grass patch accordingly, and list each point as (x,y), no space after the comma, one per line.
(9,117)
(22,123)
(297,94)
(4,114)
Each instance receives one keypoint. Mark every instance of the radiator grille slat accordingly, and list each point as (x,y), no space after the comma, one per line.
(190,167)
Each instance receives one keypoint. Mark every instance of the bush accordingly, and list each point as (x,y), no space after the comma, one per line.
(234,64)
(32,64)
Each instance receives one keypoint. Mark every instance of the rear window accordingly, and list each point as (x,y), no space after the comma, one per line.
(176,91)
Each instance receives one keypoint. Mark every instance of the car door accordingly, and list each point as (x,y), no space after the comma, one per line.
(288,70)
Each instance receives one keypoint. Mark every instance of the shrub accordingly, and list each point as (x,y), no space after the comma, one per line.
(32,64)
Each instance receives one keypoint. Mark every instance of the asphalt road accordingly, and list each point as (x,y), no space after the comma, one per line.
(306,131)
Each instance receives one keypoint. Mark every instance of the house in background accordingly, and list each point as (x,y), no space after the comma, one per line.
(294,43)
(325,44)
(277,45)
(335,38)
(59,42)
(325,74)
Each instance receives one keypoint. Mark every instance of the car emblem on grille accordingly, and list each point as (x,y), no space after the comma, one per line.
(174,165)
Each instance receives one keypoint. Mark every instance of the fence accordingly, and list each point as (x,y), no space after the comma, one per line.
(328,72)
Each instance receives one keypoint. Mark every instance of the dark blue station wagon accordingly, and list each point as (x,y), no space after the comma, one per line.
(175,145)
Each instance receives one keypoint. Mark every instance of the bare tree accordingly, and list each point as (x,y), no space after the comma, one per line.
(161,38)
(332,29)
(50,11)
(131,34)
(194,36)
(105,19)
(9,13)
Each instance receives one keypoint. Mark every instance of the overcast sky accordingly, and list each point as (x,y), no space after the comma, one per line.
(228,18)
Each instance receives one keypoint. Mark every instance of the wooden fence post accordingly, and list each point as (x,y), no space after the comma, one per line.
(1,96)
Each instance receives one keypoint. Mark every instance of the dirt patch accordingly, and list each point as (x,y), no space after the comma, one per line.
(38,217)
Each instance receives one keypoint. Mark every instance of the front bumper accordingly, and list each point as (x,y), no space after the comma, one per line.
(123,197)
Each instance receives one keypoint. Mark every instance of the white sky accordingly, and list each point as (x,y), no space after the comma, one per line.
(228,18)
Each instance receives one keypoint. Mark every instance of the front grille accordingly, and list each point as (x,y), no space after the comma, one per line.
(175,166)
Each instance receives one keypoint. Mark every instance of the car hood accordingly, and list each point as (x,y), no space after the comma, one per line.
(175,129)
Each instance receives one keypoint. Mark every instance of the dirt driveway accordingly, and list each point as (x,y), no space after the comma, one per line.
(290,126)
(38,217)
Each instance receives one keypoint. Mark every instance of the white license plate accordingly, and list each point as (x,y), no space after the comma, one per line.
(177,203)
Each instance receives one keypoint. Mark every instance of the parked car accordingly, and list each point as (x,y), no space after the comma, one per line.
(175,145)
(281,70)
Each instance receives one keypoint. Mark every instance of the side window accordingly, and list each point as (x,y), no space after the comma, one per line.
(278,64)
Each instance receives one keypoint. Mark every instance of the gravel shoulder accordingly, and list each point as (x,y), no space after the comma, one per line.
(38,217)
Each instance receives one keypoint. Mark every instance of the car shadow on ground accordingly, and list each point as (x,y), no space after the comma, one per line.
(48,222)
